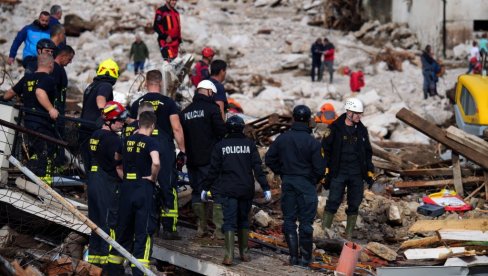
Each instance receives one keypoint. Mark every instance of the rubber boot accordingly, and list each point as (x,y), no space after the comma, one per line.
(218,220)
(200,212)
(292,241)
(327,220)
(242,238)
(229,248)
(306,248)
(351,223)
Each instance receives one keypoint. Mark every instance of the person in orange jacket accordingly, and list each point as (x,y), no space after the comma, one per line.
(167,26)
(326,115)
(356,79)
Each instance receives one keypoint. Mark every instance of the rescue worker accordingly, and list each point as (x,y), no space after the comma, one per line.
(356,79)
(348,156)
(317,51)
(329,51)
(326,115)
(30,35)
(58,37)
(218,71)
(234,106)
(200,71)
(56,14)
(203,127)
(44,45)
(167,26)
(295,156)
(234,163)
(96,95)
(133,126)
(168,127)
(104,179)
(137,217)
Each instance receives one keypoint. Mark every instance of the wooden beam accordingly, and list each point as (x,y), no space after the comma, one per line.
(439,135)
(434,172)
(436,225)
(437,183)
(463,235)
(467,139)
(379,152)
(432,253)
(456,173)
(420,242)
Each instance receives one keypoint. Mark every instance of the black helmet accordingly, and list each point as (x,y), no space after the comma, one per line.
(235,124)
(301,113)
(45,44)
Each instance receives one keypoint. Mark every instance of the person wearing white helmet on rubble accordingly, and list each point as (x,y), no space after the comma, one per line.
(348,156)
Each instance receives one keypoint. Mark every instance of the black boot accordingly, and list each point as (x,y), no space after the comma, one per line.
(292,241)
(306,247)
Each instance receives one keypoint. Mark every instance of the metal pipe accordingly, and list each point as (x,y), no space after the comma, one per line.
(31,132)
(84,219)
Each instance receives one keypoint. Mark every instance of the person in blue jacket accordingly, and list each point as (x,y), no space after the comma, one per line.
(30,35)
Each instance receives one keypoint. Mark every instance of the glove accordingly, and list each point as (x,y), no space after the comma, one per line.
(370,179)
(203,196)
(180,161)
(326,179)
(267,196)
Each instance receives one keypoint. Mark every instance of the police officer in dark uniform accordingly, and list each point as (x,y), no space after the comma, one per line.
(203,127)
(96,95)
(348,156)
(104,179)
(168,127)
(138,215)
(234,159)
(295,156)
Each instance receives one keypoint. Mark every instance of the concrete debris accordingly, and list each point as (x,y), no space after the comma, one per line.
(395,34)
(382,251)
(262,218)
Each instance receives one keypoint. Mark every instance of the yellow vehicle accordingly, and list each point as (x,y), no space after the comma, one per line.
(471,104)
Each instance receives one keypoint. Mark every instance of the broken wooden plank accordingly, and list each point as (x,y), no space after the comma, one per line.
(437,183)
(436,225)
(416,243)
(382,250)
(432,253)
(467,139)
(379,152)
(463,235)
(436,133)
(456,174)
(434,172)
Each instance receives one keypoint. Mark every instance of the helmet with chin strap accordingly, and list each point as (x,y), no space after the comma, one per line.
(114,111)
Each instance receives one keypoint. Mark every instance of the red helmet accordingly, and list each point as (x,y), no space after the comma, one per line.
(208,52)
(114,111)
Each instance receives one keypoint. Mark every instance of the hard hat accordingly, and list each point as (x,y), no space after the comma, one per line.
(235,124)
(327,107)
(206,84)
(45,44)
(110,67)
(234,106)
(114,111)
(354,105)
(208,52)
(301,113)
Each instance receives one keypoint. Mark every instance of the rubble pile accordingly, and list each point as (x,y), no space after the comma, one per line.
(395,34)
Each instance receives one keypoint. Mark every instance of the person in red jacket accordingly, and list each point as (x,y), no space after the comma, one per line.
(201,70)
(329,51)
(167,26)
(356,79)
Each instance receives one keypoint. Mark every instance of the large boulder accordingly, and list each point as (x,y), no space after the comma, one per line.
(74,25)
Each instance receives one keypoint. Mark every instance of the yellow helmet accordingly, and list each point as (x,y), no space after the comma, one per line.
(108,66)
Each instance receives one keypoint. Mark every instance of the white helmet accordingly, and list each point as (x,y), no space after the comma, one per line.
(206,84)
(354,105)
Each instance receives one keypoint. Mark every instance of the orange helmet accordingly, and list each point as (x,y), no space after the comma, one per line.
(327,107)
(114,111)
(327,114)
(234,106)
(208,52)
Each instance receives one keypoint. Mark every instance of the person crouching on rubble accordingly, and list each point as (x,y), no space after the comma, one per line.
(231,181)
(348,155)
(295,156)
(104,178)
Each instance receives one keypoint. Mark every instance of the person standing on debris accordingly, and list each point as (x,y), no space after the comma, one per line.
(474,56)
(317,51)
(329,51)
(295,156)
(356,79)
(430,68)
(167,26)
(104,179)
(203,127)
(168,127)
(139,52)
(234,163)
(348,156)
(96,95)
(218,71)
(200,71)
(56,14)
(137,217)
(30,35)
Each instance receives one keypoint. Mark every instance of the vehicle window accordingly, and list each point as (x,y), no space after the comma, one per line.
(467,102)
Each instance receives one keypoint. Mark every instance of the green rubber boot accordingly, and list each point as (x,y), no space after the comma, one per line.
(229,248)
(327,220)
(351,223)
(242,238)
(218,220)
(200,212)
